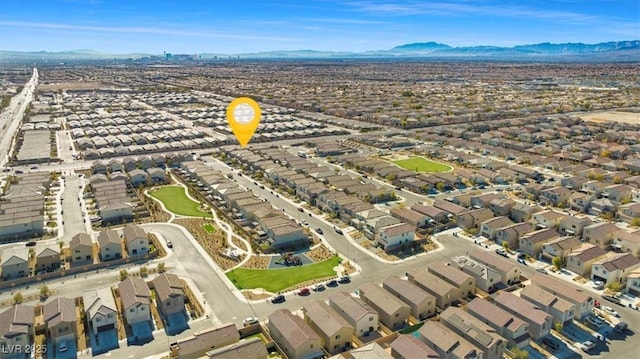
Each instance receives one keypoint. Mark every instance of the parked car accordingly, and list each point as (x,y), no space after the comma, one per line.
(550,343)
(30,244)
(278,299)
(588,345)
(332,283)
(304,291)
(610,311)
(611,299)
(169,244)
(250,321)
(319,230)
(598,285)
(502,252)
(541,270)
(304,223)
(338,230)
(621,327)
(344,279)
(596,322)
(300,209)
(318,287)
(62,347)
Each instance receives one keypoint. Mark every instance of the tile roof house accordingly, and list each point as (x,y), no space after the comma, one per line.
(15,263)
(61,320)
(510,327)
(392,311)
(580,260)
(560,247)
(48,257)
(511,234)
(433,213)
(294,336)
(628,212)
(522,212)
(359,314)
(170,293)
(582,299)
(547,219)
(445,293)
(490,227)
(600,234)
(252,348)
(561,310)
(410,216)
(81,248)
(335,332)
(136,300)
(626,242)
(410,347)
(198,344)
(395,235)
(447,343)
(16,326)
(465,283)
(633,283)
(509,271)
(531,243)
(473,218)
(100,309)
(540,323)
(573,226)
(136,240)
(475,331)
(110,245)
(614,268)
(421,303)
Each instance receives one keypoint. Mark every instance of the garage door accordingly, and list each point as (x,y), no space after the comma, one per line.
(104,328)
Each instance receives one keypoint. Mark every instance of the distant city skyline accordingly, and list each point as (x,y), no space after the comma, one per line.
(326,25)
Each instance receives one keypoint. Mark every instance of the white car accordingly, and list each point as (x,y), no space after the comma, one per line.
(598,285)
(610,311)
(250,321)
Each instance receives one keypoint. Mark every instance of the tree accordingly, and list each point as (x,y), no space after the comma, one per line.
(123,274)
(505,245)
(614,287)
(144,271)
(440,186)
(635,222)
(557,262)
(518,353)
(17,298)
(44,291)
(558,326)
(161,267)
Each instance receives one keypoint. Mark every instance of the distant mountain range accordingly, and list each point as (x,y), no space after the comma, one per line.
(606,51)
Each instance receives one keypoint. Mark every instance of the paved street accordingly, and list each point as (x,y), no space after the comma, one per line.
(11,116)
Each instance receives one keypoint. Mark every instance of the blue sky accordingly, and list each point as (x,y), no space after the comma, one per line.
(217,26)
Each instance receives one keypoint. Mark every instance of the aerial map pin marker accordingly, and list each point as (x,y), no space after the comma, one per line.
(243,115)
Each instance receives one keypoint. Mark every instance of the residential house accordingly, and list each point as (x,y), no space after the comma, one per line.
(110,245)
(600,234)
(593,187)
(392,236)
(445,293)
(434,214)
(540,323)
(373,225)
(138,177)
(472,219)
(294,336)
(560,248)
(170,293)
(335,332)
(157,175)
(100,310)
(15,263)
(582,299)
(618,192)
(410,347)
(483,200)
(81,248)
(507,325)
(633,283)
(561,310)
(572,182)
(573,226)
(509,271)
(136,300)
(556,196)
(547,219)
(16,329)
(250,348)
(581,259)
(522,212)
(362,318)
(136,240)
(614,268)
(465,283)
(629,212)
(47,257)
(422,304)
(531,243)
(61,320)
(410,216)
(447,343)
(392,311)
(490,227)
(487,278)
(451,208)
(511,234)
(581,202)
(502,206)
(475,331)
(626,242)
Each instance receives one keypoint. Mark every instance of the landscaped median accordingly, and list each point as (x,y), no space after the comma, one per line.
(277,280)
(175,200)
(421,164)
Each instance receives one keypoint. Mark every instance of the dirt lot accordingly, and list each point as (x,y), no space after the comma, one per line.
(319,254)
(612,116)
(257,262)
(255,296)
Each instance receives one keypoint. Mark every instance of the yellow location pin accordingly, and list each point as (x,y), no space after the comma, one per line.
(244,116)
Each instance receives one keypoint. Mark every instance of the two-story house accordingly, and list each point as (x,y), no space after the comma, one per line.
(110,245)
(81,248)
(614,268)
(100,310)
(359,314)
(136,300)
(170,293)
(61,320)
(136,240)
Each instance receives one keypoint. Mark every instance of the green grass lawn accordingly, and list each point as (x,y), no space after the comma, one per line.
(276,280)
(421,164)
(209,228)
(175,200)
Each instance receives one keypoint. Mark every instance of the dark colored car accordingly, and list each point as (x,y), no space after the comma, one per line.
(502,252)
(344,279)
(30,244)
(332,283)
(278,299)
(319,230)
(611,298)
(550,343)
(304,291)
